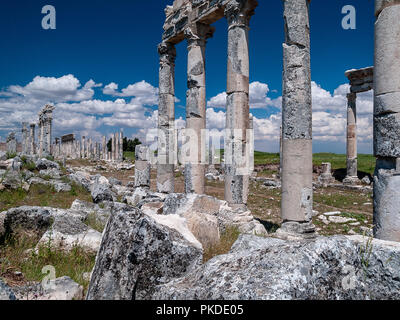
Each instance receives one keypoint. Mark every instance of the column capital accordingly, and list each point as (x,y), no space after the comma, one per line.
(198,33)
(167,52)
(239,12)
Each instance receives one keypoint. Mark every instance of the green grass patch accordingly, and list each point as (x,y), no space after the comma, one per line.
(94,222)
(129,155)
(227,239)
(17,255)
(44,196)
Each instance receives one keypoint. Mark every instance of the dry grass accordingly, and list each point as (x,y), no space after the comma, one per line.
(228,238)
(20,264)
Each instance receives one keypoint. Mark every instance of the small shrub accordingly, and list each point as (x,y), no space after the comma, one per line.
(11,155)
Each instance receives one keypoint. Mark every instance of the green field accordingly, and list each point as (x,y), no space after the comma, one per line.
(366,162)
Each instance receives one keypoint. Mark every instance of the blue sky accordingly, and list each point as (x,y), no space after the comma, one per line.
(116,42)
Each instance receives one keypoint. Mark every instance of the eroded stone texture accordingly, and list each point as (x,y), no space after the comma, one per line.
(32,146)
(351,137)
(387,201)
(196,36)
(45,130)
(11,143)
(237,147)
(297,191)
(166,156)
(140,251)
(387,120)
(142,167)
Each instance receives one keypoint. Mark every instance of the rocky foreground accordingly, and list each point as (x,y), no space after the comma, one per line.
(153,245)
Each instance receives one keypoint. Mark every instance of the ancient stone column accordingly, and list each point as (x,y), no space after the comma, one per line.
(166,152)
(387,120)
(104,148)
(41,134)
(237,157)
(121,145)
(142,167)
(83,151)
(297,188)
(196,36)
(11,143)
(24,138)
(45,127)
(32,139)
(351,157)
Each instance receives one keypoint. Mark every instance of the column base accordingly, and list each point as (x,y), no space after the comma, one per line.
(351,180)
(293,230)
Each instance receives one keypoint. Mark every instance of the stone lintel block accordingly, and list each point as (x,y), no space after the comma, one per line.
(196,102)
(362,88)
(237,111)
(382,4)
(387,135)
(297,25)
(387,51)
(387,205)
(166,109)
(387,103)
(297,189)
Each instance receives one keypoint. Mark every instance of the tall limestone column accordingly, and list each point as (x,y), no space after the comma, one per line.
(83,145)
(196,36)
(237,157)
(32,146)
(104,146)
(387,120)
(167,144)
(121,145)
(112,147)
(24,138)
(40,138)
(297,188)
(351,177)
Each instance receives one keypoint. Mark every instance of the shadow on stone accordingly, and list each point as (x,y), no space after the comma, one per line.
(269,226)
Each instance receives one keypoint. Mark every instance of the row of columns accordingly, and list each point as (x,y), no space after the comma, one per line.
(237,140)
(86,148)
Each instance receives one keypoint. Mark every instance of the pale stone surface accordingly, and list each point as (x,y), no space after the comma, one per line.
(137,253)
(387,205)
(196,36)
(166,135)
(327,268)
(142,167)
